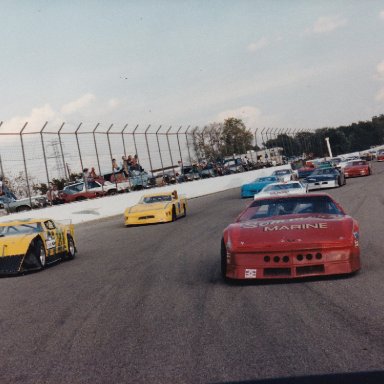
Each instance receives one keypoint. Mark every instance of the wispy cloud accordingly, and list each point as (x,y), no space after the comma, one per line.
(36,119)
(380,96)
(380,70)
(251,116)
(259,44)
(76,105)
(327,24)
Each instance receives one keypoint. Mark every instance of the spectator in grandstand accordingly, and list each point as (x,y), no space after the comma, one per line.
(86,177)
(124,166)
(115,167)
(93,174)
(53,195)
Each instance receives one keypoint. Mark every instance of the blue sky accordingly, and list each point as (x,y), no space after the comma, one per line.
(273,63)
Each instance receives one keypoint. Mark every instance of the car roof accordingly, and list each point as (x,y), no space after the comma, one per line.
(22,221)
(159,194)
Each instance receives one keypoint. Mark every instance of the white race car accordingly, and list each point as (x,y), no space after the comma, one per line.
(283,188)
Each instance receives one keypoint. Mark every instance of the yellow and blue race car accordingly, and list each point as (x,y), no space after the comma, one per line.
(156,208)
(31,244)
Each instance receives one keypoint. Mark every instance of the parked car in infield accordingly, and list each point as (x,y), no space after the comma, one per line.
(357,168)
(156,208)
(250,189)
(290,237)
(325,178)
(33,243)
(285,174)
(283,188)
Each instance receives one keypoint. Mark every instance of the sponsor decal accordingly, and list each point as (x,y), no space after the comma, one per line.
(50,244)
(296,226)
(261,224)
(250,273)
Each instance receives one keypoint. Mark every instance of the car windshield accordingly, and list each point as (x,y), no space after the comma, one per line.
(71,189)
(354,163)
(265,208)
(264,179)
(281,187)
(282,172)
(155,199)
(324,171)
(20,229)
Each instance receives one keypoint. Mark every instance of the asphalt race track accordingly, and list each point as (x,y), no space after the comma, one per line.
(147,305)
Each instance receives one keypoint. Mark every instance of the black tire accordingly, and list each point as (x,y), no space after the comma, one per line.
(184,210)
(40,254)
(339,181)
(174,213)
(71,248)
(223,260)
(112,192)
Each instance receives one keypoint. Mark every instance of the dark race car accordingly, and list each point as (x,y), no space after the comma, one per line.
(325,178)
(290,237)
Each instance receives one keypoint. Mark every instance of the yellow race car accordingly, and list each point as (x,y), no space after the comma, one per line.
(33,243)
(156,208)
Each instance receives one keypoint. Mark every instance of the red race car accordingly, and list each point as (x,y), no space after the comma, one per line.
(356,168)
(380,155)
(290,237)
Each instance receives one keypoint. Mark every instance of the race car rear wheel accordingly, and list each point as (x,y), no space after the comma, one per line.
(71,248)
(184,210)
(223,254)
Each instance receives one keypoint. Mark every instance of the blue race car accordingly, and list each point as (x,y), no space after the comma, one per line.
(250,189)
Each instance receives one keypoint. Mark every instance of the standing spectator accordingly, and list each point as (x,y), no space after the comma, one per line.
(1,186)
(124,165)
(115,166)
(93,174)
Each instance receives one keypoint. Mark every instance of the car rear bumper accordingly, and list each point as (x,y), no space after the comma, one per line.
(147,219)
(285,267)
(322,184)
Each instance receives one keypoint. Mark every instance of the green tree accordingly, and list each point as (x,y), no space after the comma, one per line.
(236,137)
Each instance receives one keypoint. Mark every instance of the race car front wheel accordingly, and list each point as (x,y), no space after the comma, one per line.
(184,210)
(173,213)
(71,248)
(41,254)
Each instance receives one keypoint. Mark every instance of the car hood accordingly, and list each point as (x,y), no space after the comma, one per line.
(258,185)
(292,233)
(15,245)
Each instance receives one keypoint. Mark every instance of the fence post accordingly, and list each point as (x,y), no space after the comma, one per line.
(186,139)
(97,153)
(149,154)
(25,163)
(44,155)
(170,152)
(136,153)
(62,152)
(178,144)
(78,147)
(158,146)
(122,136)
(110,153)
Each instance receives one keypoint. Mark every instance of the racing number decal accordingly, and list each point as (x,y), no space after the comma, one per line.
(60,239)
